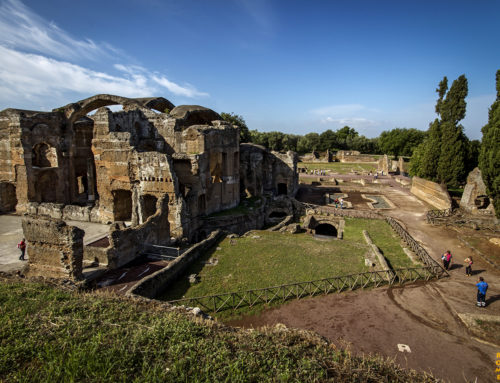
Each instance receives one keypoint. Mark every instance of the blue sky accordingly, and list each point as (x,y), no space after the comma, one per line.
(293,66)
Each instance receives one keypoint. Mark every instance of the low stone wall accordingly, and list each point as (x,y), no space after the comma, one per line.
(55,249)
(376,253)
(154,284)
(237,223)
(431,192)
(66,212)
(93,254)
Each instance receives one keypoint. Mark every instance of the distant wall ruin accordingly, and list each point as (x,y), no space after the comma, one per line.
(431,192)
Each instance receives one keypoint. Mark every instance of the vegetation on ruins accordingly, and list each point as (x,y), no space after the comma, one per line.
(239,121)
(265,258)
(489,158)
(54,335)
(444,155)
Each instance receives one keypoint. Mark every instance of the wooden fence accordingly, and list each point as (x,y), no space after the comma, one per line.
(282,293)
(421,253)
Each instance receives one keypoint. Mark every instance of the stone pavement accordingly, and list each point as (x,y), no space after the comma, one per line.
(11,233)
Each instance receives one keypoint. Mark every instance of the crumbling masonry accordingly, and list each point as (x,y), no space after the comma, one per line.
(157,167)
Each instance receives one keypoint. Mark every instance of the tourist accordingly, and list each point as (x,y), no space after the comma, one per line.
(22,246)
(468,266)
(341,203)
(336,201)
(446,257)
(482,287)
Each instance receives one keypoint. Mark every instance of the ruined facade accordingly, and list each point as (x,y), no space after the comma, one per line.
(157,167)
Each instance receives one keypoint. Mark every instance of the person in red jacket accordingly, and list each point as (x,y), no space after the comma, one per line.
(22,246)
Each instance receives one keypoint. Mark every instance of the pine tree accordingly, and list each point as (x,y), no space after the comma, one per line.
(452,159)
(489,157)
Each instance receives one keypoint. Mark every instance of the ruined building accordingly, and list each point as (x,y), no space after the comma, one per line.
(158,167)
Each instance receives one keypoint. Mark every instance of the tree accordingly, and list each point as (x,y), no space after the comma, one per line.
(400,142)
(454,144)
(328,140)
(443,155)
(489,157)
(308,143)
(239,121)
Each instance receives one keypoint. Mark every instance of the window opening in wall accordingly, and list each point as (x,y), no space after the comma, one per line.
(326,229)
(236,162)
(8,199)
(149,206)
(122,205)
(44,156)
(225,170)
(282,189)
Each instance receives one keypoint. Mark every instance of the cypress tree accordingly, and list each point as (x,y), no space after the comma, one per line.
(489,157)
(431,152)
(451,165)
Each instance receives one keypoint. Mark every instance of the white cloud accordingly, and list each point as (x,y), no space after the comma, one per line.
(353,122)
(36,64)
(188,90)
(23,29)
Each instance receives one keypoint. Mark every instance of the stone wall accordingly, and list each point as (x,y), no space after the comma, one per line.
(55,249)
(354,156)
(431,192)
(262,171)
(475,199)
(156,283)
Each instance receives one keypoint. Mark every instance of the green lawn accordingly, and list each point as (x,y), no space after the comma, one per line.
(50,335)
(279,258)
(339,167)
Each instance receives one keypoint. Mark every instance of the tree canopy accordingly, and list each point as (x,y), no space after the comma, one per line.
(489,156)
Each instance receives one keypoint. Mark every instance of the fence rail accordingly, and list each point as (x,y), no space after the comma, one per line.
(282,293)
(421,253)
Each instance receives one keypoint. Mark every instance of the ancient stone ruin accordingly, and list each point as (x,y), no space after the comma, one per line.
(156,167)
(475,199)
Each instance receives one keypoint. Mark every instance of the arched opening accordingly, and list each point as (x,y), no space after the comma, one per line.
(282,189)
(149,206)
(44,156)
(8,199)
(122,205)
(277,215)
(46,187)
(326,229)
(482,202)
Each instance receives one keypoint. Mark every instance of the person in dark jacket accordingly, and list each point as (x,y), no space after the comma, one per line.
(482,287)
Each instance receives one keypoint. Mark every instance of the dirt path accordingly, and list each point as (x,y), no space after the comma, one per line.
(423,316)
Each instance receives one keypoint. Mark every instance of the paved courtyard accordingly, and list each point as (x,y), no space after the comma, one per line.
(11,233)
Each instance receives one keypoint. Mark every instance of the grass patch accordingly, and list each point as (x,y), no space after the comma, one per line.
(490,330)
(456,192)
(264,259)
(383,236)
(49,335)
(339,167)
(246,206)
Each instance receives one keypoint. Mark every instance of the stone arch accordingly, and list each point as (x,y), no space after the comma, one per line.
(277,214)
(326,229)
(44,156)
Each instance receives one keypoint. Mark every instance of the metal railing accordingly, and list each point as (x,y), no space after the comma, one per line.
(161,252)
(249,298)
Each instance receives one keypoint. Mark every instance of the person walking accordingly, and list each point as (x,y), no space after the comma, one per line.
(446,260)
(468,266)
(22,246)
(482,287)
